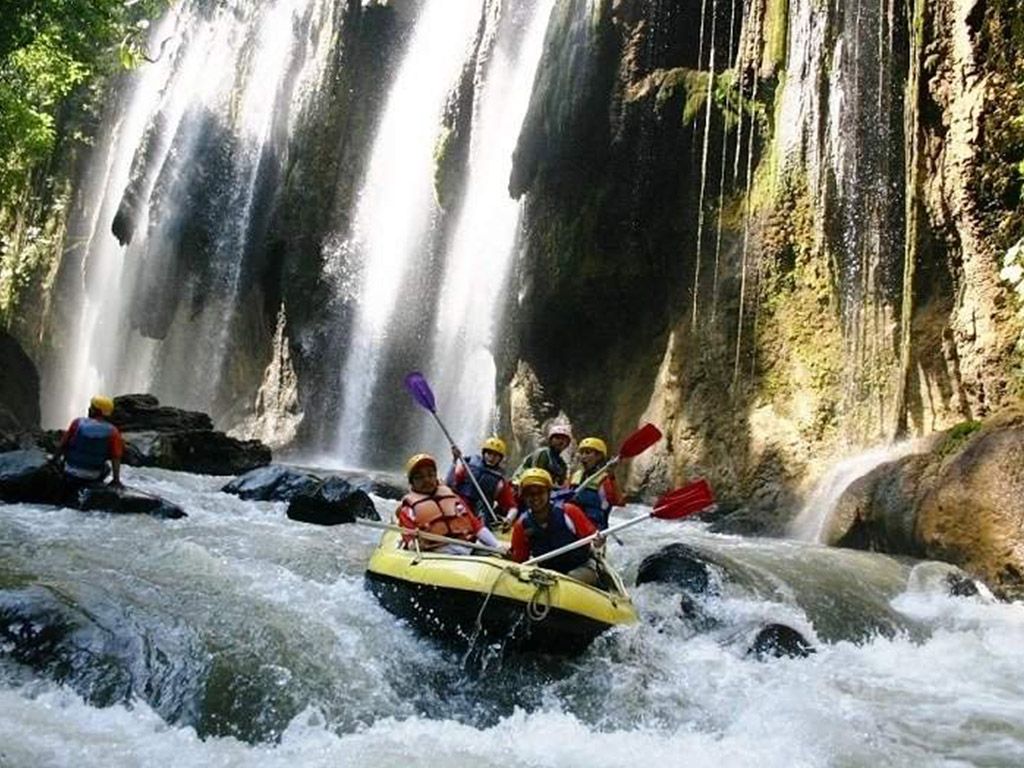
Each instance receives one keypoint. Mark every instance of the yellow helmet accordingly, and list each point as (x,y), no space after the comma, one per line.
(495,444)
(535,476)
(103,404)
(596,443)
(415,461)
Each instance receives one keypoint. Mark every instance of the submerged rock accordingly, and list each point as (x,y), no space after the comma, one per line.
(678,565)
(333,502)
(125,501)
(779,641)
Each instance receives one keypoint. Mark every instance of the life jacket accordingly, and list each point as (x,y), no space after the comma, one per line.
(588,498)
(87,452)
(557,534)
(490,480)
(546,458)
(442,513)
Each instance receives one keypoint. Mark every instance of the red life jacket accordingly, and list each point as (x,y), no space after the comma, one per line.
(442,513)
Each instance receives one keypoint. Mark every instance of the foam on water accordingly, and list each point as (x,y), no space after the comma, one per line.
(282,605)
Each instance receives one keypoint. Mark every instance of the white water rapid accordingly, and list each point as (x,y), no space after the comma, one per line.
(238,638)
(390,237)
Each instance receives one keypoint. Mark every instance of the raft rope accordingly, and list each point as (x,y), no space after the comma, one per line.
(539,605)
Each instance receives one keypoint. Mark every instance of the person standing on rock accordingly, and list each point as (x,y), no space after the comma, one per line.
(91,447)
(547,525)
(600,493)
(549,457)
(435,508)
(486,468)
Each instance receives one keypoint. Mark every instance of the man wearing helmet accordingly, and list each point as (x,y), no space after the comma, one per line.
(547,525)
(486,469)
(435,508)
(91,446)
(600,493)
(549,457)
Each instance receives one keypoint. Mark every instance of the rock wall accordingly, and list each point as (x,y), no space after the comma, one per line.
(737,269)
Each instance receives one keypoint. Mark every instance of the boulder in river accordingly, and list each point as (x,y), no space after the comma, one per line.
(678,565)
(961,503)
(272,483)
(28,476)
(779,641)
(333,502)
(125,501)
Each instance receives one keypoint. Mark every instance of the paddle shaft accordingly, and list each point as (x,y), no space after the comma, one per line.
(607,465)
(587,539)
(465,465)
(427,535)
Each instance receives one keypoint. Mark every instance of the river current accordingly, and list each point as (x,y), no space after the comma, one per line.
(236,637)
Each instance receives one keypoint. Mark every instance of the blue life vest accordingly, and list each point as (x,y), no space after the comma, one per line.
(488,477)
(588,498)
(557,534)
(88,450)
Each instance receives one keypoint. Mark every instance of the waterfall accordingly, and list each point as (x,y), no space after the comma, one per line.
(478,261)
(704,161)
(811,522)
(396,208)
(182,172)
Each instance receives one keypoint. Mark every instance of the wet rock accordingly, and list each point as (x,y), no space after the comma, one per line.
(19,387)
(961,504)
(125,501)
(28,476)
(779,641)
(678,565)
(200,451)
(961,586)
(143,413)
(335,501)
(696,614)
(272,483)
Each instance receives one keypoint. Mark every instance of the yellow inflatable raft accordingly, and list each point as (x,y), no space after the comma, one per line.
(469,598)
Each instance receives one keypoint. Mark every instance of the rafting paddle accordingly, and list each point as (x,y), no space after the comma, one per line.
(420,390)
(699,497)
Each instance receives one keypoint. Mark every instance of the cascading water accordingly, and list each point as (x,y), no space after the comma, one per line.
(396,210)
(811,522)
(236,637)
(182,174)
(482,249)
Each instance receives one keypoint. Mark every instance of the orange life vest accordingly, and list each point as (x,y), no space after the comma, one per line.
(442,513)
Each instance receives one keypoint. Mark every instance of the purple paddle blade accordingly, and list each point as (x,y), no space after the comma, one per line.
(420,390)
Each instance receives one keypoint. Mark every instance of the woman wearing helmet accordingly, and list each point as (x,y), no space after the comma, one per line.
(486,468)
(549,457)
(435,508)
(600,493)
(547,525)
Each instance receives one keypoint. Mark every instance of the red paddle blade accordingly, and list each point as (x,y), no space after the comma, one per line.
(692,497)
(639,441)
(417,385)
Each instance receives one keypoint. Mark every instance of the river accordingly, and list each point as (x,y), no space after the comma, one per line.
(237,637)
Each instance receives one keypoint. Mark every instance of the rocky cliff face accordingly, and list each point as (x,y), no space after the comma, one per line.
(805,262)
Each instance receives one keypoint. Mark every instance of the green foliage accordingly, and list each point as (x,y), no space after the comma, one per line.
(957,437)
(48,50)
